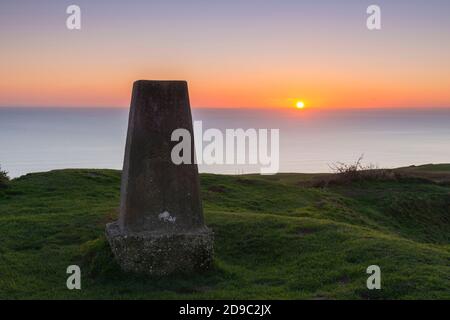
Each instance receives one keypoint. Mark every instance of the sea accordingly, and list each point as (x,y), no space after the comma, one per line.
(310,140)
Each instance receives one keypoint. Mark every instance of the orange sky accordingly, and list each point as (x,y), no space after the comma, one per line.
(265,58)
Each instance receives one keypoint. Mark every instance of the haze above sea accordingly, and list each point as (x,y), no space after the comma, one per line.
(42,139)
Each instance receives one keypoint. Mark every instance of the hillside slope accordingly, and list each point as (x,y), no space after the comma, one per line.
(276,237)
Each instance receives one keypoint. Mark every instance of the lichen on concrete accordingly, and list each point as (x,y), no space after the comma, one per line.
(161,253)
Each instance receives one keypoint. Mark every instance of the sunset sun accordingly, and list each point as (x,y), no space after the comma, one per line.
(300,104)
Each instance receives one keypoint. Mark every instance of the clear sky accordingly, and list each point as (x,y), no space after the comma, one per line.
(234,53)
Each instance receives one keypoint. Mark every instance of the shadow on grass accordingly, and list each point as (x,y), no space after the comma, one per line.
(98,262)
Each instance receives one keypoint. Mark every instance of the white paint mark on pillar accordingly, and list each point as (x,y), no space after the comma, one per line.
(166,217)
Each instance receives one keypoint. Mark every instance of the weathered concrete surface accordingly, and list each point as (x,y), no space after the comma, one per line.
(160,228)
(151,183)
(161,253)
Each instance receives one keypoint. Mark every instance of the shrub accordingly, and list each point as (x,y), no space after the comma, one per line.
(344,173)
(4,179)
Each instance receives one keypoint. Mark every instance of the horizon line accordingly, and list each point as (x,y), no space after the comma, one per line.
(311,108)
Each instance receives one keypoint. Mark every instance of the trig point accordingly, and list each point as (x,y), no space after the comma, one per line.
(160,228)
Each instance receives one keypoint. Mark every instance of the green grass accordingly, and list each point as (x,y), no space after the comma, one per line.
(275,238)
(442,167)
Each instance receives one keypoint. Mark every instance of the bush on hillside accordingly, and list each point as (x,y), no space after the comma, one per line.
(346,173)
(4,179)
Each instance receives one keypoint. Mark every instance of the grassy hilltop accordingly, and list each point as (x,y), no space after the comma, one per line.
(283,236)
